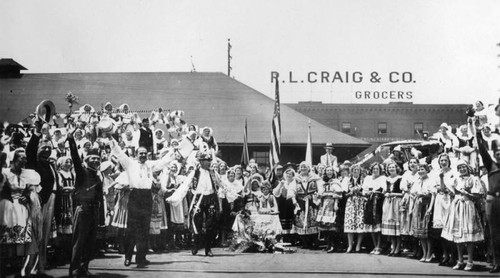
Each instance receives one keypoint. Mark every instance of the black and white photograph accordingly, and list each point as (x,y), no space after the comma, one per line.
(286,138)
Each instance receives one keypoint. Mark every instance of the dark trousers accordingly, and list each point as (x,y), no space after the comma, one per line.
(492,216)
(204,220)
(84,235)
(140,205)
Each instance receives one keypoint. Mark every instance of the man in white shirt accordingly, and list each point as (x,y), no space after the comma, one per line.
(140,175)
(204,209)
(328,159)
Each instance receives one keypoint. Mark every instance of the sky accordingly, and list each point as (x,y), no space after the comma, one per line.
(445,51)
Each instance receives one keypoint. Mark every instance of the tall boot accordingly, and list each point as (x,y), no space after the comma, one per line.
(195,244)
(208,243)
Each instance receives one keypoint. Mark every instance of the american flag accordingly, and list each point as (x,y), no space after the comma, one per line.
(275,152)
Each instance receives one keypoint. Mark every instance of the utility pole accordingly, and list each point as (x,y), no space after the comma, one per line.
(229,68)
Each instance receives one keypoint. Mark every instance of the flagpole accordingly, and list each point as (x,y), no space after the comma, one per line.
(245,156)
(308,157)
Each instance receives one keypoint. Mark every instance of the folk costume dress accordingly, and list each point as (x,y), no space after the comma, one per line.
(64,212)
(267,220)
(305,192)
(159,219)
(328,214)
(120,215)
(232,195)
(177,212)
(373,187)
(407,202)
(355,207)
(463,223)
(443,199)
(285,205)
(16,230)
(420,219)
(391,215)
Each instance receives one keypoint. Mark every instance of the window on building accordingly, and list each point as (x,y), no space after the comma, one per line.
(261,157)
(418,128)
(382,128)
(346,127)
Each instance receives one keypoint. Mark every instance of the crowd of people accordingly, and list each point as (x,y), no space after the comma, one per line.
(93,182)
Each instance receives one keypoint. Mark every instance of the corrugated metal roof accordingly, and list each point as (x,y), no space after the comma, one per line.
(208,99)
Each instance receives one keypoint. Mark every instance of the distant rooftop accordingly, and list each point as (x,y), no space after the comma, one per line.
(208,99)
(8,63)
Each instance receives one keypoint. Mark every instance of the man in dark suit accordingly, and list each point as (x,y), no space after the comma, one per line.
(87,199)
(38,152)
(146,136)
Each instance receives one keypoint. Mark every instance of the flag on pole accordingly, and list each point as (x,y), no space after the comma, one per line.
(245,157)
(275,152)
(309,152)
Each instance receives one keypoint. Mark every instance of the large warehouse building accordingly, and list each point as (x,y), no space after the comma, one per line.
(208,99)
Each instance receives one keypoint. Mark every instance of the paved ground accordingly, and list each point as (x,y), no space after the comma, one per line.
(304,262)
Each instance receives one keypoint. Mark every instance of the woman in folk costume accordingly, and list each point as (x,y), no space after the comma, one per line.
(354,210)
(120,215)
(107,168)
(170,180)
(286,208)
(63,207)
(238,175)
(445,136)
(267,209)
(465,149)
(391,221)
(373,186)
(305,199)
(330,192)
(230,193)
(445,179)
(424,192)
(252,192)
(207,137)
(20,214)
(409,178)
(159,141)
(64,200)
(159,216)
(463,224)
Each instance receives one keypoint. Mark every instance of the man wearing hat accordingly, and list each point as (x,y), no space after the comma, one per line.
(204,209)
(328,159)
(87,200)
(146,136)
(38,153)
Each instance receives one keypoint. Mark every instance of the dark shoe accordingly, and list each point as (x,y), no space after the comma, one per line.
(42,275)
(85,273)
(495,269)
(142,265)
(208,253)
(444,262)
(127,262)
(194,251)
